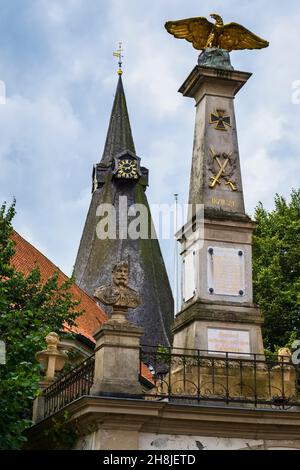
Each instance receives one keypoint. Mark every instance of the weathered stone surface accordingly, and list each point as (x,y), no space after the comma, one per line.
(215,91)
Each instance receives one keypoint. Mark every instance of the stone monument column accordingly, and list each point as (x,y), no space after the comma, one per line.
(217,310)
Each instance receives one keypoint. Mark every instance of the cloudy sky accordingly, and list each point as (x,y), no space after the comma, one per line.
(56,62)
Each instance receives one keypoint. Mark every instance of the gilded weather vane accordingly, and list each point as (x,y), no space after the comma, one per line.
(120,56)
(204,35)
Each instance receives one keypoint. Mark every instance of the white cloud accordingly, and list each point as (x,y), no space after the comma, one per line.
(60,87)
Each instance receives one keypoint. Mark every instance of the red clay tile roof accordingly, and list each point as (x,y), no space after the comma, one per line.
(28,257)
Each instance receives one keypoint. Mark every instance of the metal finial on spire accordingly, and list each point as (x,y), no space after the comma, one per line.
(118,54)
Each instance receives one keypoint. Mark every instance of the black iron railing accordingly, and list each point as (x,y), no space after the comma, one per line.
(71,386)
(194,376)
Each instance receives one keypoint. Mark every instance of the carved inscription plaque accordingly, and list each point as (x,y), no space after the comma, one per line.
(226,271)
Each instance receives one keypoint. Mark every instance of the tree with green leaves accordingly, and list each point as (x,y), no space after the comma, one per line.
(276,270)
(29,310)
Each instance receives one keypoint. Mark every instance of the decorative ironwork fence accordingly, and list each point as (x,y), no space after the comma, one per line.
(194,376)
(71,386)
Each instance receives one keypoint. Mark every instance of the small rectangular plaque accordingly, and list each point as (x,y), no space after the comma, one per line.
(189,286)
(226,271)
(235,341)
(2,353)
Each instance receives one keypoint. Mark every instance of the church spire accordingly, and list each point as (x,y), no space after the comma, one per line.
(119,136)
(117,178)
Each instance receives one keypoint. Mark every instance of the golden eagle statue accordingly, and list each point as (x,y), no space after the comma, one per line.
(203,34)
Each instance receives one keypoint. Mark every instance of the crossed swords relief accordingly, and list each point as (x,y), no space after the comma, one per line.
(224,171)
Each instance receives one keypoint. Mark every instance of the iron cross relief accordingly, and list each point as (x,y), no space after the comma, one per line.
(220,120)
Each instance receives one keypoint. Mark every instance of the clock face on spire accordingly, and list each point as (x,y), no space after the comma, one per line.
(127,167)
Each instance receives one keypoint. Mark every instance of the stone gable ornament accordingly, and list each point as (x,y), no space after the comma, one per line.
(118,294)
(206,35)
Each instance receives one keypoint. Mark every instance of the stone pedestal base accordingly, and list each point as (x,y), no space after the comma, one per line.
(117,361)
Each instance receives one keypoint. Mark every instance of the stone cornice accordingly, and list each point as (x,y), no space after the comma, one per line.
(167,418)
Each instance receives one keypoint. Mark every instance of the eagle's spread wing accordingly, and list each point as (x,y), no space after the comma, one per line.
(234,37)
(194,30)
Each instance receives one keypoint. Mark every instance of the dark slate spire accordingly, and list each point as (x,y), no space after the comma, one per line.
(119,136)
(96,256)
